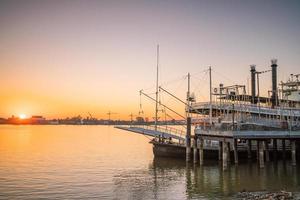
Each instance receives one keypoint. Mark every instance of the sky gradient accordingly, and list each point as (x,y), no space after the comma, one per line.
(64,58)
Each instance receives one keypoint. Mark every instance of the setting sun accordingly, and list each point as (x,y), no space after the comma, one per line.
(22,116)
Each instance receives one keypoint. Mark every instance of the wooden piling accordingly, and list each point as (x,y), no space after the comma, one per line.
(225,155)
(261,154)
(188,153)
(293,151)
(195,149)
(201,151)
(257,150)
(267,151)
(235,151)
(283,149)
(249,149)
(275,149)
(188,139)
(228,153)
(220,150)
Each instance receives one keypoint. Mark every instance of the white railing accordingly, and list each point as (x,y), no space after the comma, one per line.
(253,108)
(162,129)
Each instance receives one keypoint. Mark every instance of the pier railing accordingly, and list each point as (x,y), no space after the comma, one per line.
(162,129)
(171,130)
(166,129)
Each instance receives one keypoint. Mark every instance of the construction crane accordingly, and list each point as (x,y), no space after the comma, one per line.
(109,114)
(131,117)
(91,117)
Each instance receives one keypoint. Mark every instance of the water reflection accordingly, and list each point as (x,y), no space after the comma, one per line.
(99,162)
(176,179)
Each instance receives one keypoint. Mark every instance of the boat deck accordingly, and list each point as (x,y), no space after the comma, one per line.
(219,135)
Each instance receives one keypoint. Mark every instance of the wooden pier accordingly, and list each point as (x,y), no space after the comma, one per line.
(264,144)
(224,146)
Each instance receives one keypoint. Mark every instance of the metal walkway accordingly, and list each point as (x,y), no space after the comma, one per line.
(164,132)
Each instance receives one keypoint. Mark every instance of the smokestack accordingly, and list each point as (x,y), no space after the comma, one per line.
(274,96)
(253,73)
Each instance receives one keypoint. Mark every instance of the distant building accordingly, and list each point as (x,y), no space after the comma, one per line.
(2,121)
(13,120)
(37,119)
(140,120)
(53,122)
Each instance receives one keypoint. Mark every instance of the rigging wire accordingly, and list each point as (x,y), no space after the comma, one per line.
(203,83)
(178,79)
(179,86)
(223,76)
(173,80)
(198,92)
(202,71)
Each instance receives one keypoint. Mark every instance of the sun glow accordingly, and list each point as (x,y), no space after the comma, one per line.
(22,116)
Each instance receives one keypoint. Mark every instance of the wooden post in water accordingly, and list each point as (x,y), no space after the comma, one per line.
(257,150)
(283,149)
(261,154)
(220,150)
(188,124)
(228,152)
(293,151)
(225,155)
(188,139)
(235,151)
(201,151)
(249,149)
(195,149)
(274,149)
(267,151)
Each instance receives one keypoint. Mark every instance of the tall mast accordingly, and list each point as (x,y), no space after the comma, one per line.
(188,123)
(188,96)
(210,97)
(156,93)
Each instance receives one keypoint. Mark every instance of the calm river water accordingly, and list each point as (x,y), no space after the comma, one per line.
(100,162)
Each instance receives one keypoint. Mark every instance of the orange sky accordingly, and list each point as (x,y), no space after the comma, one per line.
(66,58)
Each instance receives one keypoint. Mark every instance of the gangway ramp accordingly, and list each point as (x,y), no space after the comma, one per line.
(163,132)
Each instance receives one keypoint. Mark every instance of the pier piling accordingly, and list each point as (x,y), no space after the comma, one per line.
(201,151)
(267,151)
(261,154)
(235,151)
(225,155)
(283,149)
(257,150)
(228,152)
(220,150)
(293,151)
(249,150)
(195,141)
(274,149)
(188,139)
(188,153)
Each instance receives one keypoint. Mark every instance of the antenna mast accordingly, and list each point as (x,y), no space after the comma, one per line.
(156,93)
(210,97)
(188,97)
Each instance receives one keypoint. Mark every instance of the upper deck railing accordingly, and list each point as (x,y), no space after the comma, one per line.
(250,108)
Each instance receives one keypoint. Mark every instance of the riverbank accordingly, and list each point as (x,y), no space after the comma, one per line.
(264,195)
